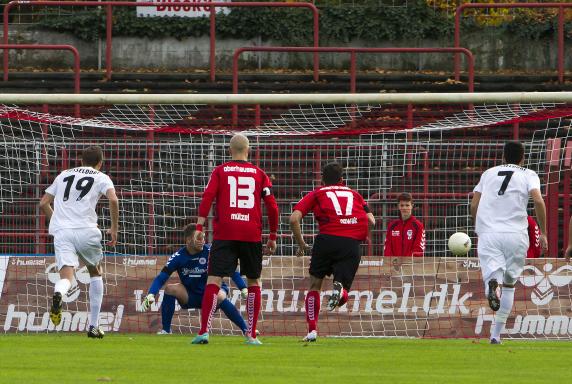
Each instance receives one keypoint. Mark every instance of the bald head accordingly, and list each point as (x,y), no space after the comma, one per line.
(239,147)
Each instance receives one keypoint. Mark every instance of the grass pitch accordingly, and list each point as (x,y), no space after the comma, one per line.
(172,359)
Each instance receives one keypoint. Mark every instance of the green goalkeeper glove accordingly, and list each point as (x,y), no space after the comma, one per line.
(244,293)
(149,299)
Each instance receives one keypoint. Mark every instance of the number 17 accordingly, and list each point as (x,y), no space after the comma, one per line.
(349,205)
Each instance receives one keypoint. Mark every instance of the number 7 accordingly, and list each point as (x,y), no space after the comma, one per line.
(507,175)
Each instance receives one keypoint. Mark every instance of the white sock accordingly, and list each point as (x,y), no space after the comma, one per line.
(95,299)
(62,286)
(506,301)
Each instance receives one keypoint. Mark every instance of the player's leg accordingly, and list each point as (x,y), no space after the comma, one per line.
(250,254)
(312,305)
(172,293)
(345,267)
(515,247)
(95,300)
(67,261)
(88,244)
(230,310)
(493,265)
(223,261)
(320,267)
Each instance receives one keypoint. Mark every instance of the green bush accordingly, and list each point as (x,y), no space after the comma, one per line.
(288,26)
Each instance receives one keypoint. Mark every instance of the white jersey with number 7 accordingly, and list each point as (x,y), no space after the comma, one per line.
(505,191)
(76,192)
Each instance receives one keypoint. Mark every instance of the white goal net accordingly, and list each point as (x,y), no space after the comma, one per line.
(160,157)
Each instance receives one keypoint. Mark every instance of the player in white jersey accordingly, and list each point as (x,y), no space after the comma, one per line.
(499,210)
(73,224)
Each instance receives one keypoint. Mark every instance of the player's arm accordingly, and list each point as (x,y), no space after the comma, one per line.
(273,217)
(156,285)
(296,227)
(568,253)
(114,212)
(46,205)
(475,204)
(540,211)
(206,202)
(240,284)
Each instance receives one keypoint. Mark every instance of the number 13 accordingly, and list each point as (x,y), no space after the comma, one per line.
(243,187)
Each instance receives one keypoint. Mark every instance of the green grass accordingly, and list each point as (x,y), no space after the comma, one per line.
(172,359)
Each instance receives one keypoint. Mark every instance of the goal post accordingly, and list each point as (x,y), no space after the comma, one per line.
(160,149)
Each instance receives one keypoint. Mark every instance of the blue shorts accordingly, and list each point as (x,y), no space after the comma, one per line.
(195,301)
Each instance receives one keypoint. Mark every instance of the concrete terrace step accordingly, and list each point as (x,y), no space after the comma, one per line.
(94,82)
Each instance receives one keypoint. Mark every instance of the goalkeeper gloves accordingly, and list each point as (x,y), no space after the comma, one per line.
(149,299)
(244,293)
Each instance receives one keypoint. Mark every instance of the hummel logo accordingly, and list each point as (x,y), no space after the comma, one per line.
(543,282)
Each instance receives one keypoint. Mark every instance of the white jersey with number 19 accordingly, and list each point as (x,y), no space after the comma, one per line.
(76,192)
(505,191)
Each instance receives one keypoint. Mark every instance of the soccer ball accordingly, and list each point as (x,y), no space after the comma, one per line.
(459,243)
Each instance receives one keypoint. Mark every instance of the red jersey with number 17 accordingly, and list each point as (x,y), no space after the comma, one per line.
(339,210)
(238,187)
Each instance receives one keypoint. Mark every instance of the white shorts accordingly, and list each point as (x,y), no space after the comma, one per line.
(72,244)
(502,251)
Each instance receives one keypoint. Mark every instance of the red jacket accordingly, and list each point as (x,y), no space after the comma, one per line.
(405,238)
(534,250)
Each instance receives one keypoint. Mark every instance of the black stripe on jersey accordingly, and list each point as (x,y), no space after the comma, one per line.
(366,208)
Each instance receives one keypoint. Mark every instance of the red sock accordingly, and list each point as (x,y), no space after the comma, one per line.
(344,298)
(208,307)
(253,302)
(312,309)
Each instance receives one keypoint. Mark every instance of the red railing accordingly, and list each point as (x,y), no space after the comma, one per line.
(53,47)
(559,6)
(353,62)
(109,22)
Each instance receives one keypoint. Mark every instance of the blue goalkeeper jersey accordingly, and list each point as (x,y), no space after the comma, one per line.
(192,271)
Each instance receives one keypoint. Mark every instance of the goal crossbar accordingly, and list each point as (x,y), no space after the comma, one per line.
(290,98)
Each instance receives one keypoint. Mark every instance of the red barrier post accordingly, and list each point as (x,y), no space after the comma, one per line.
(51,47)
(108,39)
(213,5)
(559,6)
(553,148)
(212,44)
(353,51)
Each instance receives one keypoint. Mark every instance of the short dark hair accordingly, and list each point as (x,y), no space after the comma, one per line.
(405,196)
(332,173)
(91,156)
(189,230)
(513,152)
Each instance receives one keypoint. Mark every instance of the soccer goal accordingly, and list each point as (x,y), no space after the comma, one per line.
(160,150)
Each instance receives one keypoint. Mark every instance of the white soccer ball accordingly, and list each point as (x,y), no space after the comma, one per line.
(459,243)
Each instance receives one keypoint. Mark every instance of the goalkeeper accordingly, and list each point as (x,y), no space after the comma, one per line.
(190,262)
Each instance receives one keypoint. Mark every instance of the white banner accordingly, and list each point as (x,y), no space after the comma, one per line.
(175,8)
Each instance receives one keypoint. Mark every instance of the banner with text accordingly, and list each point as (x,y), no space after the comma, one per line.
(419,297)
(178,8)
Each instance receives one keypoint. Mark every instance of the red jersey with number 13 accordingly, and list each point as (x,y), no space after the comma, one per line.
(238,187)
(339,210)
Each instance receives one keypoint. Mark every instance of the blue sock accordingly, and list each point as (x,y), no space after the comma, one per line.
(233,315)
(167,311)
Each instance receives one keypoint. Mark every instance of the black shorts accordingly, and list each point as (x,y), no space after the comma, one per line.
(337,255)
(225,255)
